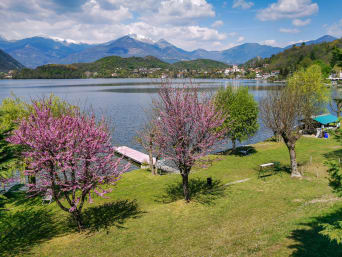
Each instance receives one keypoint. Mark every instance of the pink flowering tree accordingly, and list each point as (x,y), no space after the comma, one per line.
(185,127)
(70,155)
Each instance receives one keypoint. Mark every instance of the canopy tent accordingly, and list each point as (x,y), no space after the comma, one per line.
(325,119)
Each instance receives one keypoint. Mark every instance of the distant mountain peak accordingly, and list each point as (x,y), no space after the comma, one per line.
(141,38)
(162,43)
(64,41)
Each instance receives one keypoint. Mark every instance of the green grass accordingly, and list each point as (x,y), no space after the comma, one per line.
(145,215)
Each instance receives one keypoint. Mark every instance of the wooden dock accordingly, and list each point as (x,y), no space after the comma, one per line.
(133,155)
(141,159)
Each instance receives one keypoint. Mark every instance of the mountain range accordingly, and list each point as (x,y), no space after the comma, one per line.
(8,63)
(36,51)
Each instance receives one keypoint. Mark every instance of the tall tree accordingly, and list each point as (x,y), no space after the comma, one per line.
(186,127)
(309,86)
(145,138)
(70,155)
(282,111)
(12,110)
(240,112)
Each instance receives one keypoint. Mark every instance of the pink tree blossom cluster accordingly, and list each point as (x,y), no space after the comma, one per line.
(70,156)
(185,127)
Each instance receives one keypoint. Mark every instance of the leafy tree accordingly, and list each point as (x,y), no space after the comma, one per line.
(70,154)
(282,111)
(335,180)
(185,127)
(12,111)
(240,112)
(336,57)
(309,84)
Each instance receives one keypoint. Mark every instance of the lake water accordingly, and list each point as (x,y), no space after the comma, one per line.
(123,101)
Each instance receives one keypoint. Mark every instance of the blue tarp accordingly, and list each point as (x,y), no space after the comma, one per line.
(326,119)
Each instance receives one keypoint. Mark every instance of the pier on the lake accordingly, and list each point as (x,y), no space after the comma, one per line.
(141,159)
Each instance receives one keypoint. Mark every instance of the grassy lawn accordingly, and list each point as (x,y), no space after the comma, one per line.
(145,215)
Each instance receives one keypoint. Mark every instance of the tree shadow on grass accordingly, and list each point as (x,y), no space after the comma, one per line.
(334,155)
(200,191)
(313,242)
(239,151)
(109,214)
(25,228)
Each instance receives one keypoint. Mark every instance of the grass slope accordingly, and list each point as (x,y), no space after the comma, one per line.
(145,215)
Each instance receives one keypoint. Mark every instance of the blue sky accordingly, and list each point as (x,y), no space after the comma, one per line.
(189,24)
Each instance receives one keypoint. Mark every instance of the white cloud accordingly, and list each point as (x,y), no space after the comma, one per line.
(180,12)
(288,30)
(269,42)
(240,39)
(335,29)
(242,4)
(289,9)
(300,23)
(217,23)
(98,21)
(232,34)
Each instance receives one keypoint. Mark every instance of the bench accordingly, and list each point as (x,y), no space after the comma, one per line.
(47,198)
(263,168)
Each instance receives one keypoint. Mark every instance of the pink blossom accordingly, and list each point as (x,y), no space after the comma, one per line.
(71,155)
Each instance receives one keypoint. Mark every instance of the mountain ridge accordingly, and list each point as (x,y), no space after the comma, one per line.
(37,51)
(7,62)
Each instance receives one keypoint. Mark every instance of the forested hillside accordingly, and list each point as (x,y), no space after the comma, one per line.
(299,56)
(115,66)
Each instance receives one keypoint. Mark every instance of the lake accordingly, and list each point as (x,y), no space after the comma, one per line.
(123,101)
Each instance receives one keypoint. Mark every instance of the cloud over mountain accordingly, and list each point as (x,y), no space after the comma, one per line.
(289,9)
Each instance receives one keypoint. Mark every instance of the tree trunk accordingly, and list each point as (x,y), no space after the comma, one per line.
(294,167)
(186,191)
(150,156)
(339,107)
(78,219)
(234,144)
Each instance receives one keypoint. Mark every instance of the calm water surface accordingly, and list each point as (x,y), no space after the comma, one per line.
(123,101)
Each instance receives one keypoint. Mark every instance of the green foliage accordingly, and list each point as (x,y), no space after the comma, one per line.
(335,180)
(49,71)
(309,84)
(327,55)
(333,231)
(9,155)
(240,111)
(122,67)
(13,109)
(336,57)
